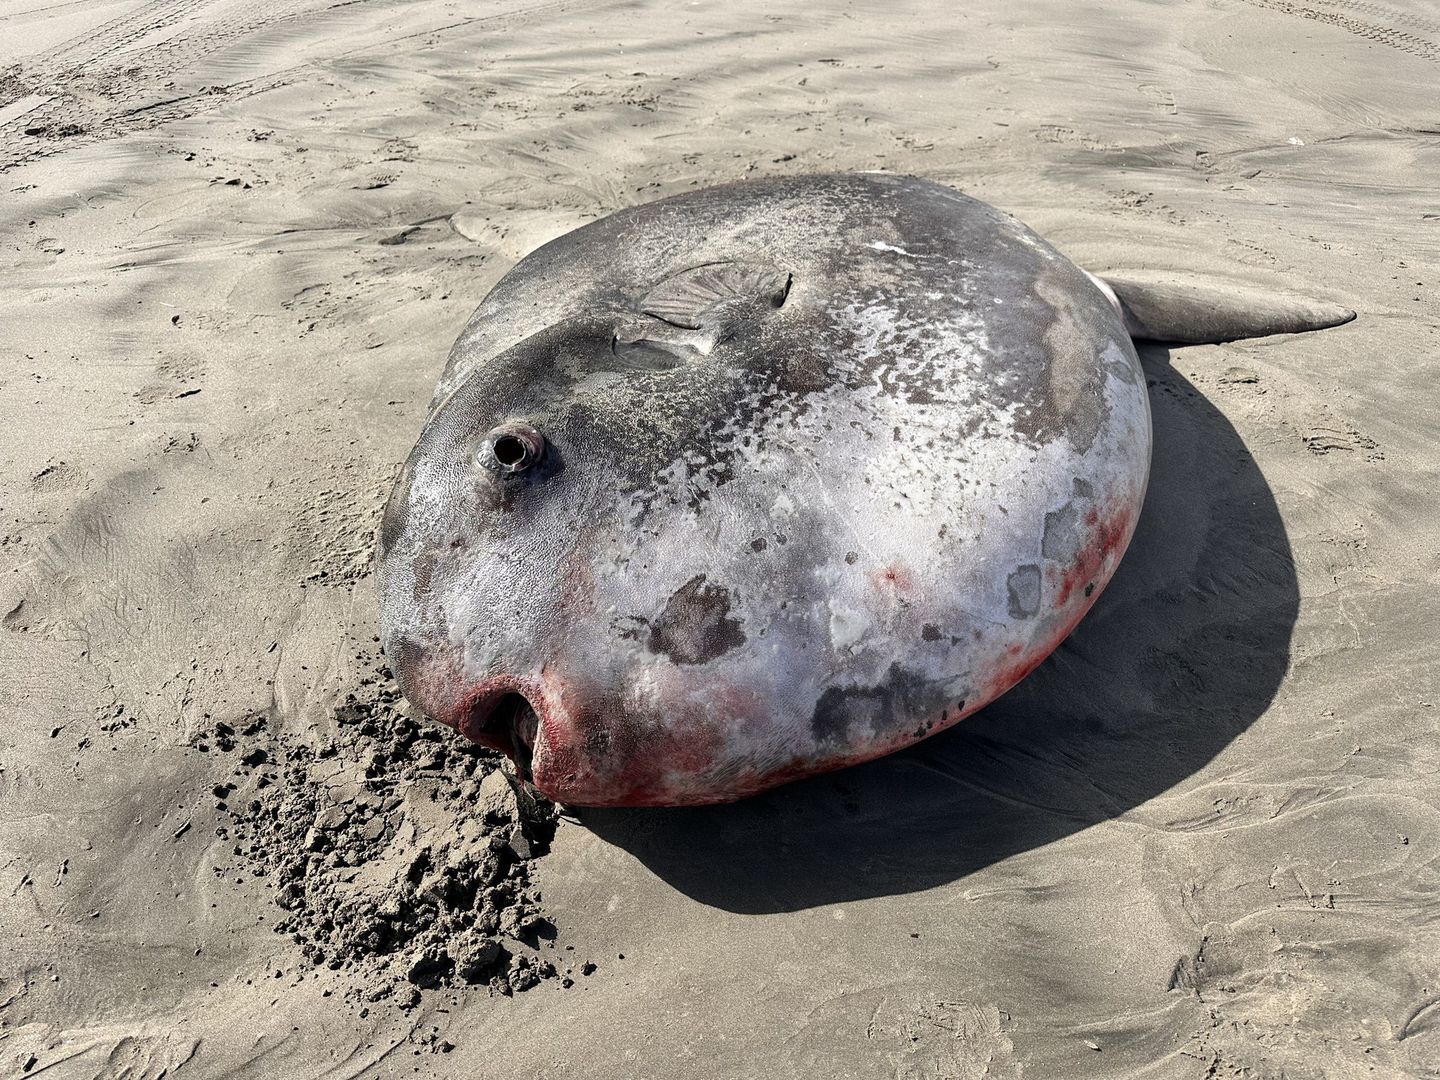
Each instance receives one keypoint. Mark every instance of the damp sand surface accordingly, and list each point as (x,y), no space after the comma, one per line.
(1202,840)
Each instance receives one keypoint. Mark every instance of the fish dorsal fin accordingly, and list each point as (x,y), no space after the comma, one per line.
(1188,311)
(717,296)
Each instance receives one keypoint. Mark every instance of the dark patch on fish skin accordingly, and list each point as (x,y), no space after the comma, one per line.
(900,700)
(1060,394)
(598,741)
(1124,370)
(851,558)
(1061,537)
(1082,489)
(629,627)
(695,626)
(943,721)
(759,544)
(930,632)
(1023,586)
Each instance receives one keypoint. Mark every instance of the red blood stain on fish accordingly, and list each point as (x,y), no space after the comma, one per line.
(1108,537)
(896,578)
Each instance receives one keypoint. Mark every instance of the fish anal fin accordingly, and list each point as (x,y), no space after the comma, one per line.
(638,337)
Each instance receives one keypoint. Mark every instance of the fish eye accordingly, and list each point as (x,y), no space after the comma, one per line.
(510,451)
(514,447)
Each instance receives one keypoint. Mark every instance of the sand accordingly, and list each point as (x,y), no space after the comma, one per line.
(1203,840)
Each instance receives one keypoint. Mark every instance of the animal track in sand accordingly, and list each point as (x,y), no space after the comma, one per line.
(1056,133)
(1321,439)
(59,476)
(910,1032)
(338,524)
(1163,99)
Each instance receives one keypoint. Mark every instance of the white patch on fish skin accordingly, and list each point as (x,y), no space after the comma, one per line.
(880,245)
(847,625)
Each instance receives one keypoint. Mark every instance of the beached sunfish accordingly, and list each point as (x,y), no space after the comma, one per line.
(768,479)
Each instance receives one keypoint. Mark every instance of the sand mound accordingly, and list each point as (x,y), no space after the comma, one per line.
(401,854)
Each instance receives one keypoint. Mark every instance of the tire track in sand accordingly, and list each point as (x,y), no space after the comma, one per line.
(1380,32)
(120,77)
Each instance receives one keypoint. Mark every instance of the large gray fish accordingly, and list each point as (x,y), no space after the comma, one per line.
(771,478)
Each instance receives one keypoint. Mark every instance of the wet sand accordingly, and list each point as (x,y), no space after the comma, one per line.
(1202,840)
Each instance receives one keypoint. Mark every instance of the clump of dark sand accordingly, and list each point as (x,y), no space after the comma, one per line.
(399,852)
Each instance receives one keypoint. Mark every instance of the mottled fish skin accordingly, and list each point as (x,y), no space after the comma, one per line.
(785,539)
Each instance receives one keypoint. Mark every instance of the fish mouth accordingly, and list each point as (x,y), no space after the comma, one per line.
(506,722)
